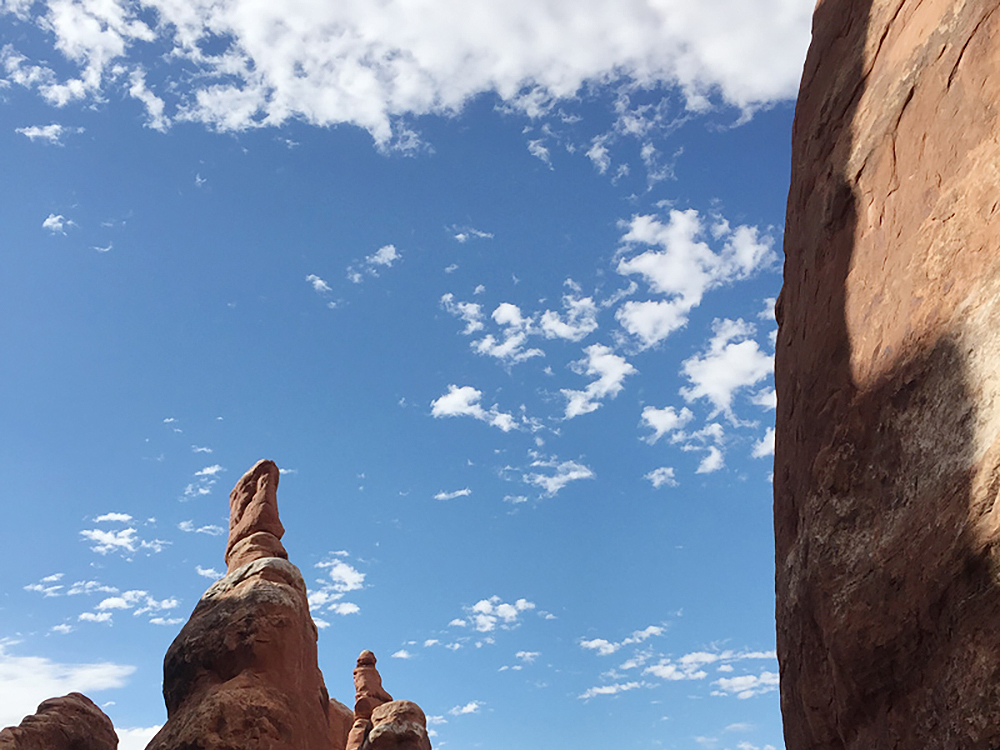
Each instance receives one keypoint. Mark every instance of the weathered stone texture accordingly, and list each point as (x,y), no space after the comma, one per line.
(72,722)
(887,460)
(243,671)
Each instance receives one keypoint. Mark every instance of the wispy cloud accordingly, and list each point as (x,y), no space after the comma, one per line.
(57,223)
(464,401)
(561,474)
(464,492)
(52,133)
(610,371)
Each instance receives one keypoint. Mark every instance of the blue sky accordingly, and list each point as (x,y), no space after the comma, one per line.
(493,289)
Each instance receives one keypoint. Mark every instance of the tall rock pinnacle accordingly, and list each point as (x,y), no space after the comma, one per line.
(243,673)
(887,455)
(380,723)
(255,530)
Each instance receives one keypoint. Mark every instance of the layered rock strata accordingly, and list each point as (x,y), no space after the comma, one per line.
(887,456)
(72,722)
(243,670)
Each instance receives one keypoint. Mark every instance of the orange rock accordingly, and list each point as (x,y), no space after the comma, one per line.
(72,722)
(887,453)
(398,725)
(368,695)
(243,673)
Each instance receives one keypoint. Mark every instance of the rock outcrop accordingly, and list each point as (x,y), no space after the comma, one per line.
(368,695)
(242,674)
(72,722)
(243,670)
(887,461)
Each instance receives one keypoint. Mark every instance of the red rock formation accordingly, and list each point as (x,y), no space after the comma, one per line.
(398,725)
(341,721)
(368,695)
(72,722)
(243,673)
(887,457)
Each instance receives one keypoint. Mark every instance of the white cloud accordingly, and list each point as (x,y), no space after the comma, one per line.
(464,234)
(610,371)
(764,446)
(682,267)
(564,473)
(90,587)
(318,284)
(25,681)
(580,319)
(663,476)
(402,654)
(465,492)
(711,462)
(487,615)
(384,256)
(464,402)
(472,707)
(604,647)
(766,398)
(516,329)
(344,608)
(114,517)
(135,738)
(747,686)
(378,67)
(125,540)
(528,657)
(210,529)
(209,471)
(599,154)
(94,617)
(537,149)
(470,312)
(665,421)
(211,573)
(614,689)
(52,133)
(731,361)
(57,223)
(200,449)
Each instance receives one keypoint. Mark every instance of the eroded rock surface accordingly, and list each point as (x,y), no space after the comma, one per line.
(368,695)
(887,462)
(398,725)
(72,722)
(243,673)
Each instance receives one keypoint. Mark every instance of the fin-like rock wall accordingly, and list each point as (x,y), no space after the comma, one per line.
(887,457)
(72,722)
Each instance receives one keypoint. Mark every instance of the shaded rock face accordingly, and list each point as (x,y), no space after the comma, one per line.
(71,722)
(243,670)
(887,455)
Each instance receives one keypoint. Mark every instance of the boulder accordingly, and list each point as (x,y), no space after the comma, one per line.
(887,453)
(398,725)
(72,722)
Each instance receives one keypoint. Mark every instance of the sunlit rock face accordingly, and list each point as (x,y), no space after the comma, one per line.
(243,671)
(887,458)
(71,722)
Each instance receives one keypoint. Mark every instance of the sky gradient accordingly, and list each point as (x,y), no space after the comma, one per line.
(494,289)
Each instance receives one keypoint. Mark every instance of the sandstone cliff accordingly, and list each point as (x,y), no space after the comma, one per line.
(887,461)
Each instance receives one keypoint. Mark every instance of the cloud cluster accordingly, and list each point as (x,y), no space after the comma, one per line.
(125,542)
(136,601)
(378,66)
(556,475)
(680,267)
(342,578)
(464,401)
(487,615)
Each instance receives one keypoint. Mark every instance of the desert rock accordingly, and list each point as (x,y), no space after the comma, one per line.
(368,695)
(243,673)
(72,722)
(887,456)
(398,725)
